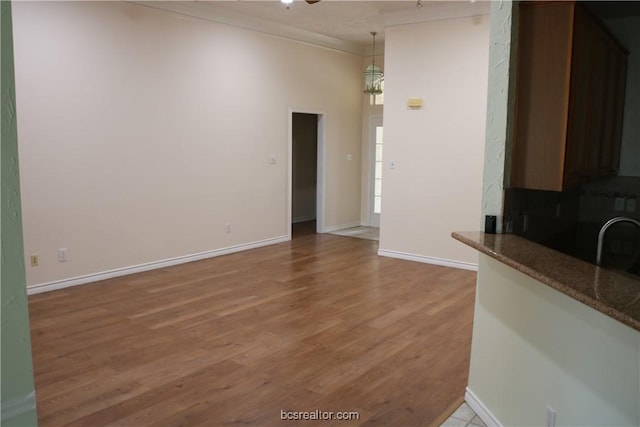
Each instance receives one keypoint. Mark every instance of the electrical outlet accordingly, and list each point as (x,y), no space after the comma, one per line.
(273,159)
(35,261)
(619,204)
(631,205)
(551,417)
(558,212)
(63,255)
(228,228)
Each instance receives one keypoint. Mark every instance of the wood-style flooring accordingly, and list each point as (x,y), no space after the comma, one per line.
(318,323)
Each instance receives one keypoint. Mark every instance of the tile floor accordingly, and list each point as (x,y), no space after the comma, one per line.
(463,417)
(370,233)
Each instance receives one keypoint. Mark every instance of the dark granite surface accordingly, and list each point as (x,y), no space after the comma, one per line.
(615,293)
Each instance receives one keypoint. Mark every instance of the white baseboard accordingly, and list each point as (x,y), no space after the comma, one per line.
(482,411)
(89,278)
(13,408)
(429,260)
(341,227)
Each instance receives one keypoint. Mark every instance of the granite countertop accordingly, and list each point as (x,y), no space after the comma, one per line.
(612,292)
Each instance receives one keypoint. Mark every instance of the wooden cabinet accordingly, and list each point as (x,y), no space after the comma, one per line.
(569,98)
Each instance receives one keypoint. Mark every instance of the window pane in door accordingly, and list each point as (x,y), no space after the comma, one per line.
(377,182)
(378,188)
(378,134)
(378,173)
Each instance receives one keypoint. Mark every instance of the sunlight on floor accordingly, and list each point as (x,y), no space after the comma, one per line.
(370,233)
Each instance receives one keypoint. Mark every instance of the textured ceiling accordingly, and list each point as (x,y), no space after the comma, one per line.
(345,25)
(350,21)
(342,25)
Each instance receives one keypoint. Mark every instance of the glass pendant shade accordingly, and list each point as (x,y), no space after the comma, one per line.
(373,74)
(373,80)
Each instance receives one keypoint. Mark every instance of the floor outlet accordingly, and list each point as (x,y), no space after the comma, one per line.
(551,417)
(63,255)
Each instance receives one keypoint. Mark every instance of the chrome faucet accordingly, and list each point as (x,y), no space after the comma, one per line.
(604,228)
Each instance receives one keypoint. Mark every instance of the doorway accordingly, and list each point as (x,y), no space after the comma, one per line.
(375,185)
(306,147)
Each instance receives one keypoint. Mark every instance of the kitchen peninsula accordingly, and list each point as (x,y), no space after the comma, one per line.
(556,339)
(552,333)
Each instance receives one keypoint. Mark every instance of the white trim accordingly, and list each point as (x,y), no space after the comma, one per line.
(374,121)
(429,260)
(17,406)
(342,227)
(89,278)
(480,409)
(321,175)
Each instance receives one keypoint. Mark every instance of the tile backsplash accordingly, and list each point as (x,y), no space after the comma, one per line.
(540,215)
(569,221)
(603,200)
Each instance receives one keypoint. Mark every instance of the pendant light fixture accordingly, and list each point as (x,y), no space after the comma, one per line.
(373,74)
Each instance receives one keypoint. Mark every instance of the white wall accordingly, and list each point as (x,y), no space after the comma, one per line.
(436,186)
(143,133)
(500,109)
(533,347)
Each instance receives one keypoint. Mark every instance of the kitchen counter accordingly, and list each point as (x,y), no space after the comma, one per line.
(612,292)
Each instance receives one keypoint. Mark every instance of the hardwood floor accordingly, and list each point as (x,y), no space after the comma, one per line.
(318,323)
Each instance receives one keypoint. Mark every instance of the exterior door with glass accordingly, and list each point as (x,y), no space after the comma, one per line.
(376,170)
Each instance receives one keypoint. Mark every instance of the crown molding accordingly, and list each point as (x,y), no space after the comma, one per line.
(451,10)
(211,12)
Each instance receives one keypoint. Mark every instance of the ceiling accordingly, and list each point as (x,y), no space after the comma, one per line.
(350,21)
(343,25)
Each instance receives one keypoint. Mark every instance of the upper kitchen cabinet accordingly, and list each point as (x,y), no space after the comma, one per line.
(569,98)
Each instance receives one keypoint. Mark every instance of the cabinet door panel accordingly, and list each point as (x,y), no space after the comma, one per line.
(597,105)
(569,98)
(542,96)
(618,110)
(608,114)
(578,137)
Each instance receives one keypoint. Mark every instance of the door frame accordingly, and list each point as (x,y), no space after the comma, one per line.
(374,121)
(321,168)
